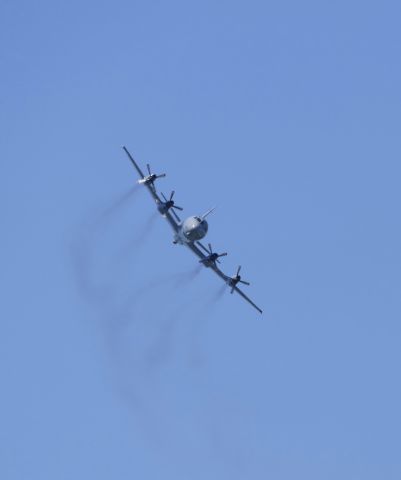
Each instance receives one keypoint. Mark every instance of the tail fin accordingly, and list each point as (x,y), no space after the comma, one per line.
(208,213)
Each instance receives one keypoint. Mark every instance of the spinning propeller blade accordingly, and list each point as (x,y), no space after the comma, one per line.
(170,204)
(162,175)
(237,279)
(213,257)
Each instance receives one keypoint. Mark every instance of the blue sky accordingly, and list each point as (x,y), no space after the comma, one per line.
(119,360)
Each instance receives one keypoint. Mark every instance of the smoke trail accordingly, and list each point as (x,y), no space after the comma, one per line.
(171,281)
(139,240)
(84,243)
(120,202)
(140,350)
(125,316)
(187,277)
(115,316)
(137,349)
(94,293)
(196,356)
(162,349)
(216,297)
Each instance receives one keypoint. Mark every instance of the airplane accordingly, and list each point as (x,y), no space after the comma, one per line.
(190,231)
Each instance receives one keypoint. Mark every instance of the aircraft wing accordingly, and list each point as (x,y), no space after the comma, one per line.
(171,220)
(224,277)
(202,256)
(134,162)
(236,289)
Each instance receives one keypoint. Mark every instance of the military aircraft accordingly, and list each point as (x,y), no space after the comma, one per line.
(190,231)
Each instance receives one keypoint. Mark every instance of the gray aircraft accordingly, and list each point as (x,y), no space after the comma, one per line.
(190,231)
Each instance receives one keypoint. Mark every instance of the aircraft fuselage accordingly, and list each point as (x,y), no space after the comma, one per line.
(191,230)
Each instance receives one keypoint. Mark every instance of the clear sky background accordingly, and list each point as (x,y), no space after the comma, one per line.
(118,359)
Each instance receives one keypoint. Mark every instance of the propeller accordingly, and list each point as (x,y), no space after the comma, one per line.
(171,204)
(153,175)
(237,279)
(214,257)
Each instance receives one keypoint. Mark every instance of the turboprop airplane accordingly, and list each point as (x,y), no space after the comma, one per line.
(190,231)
